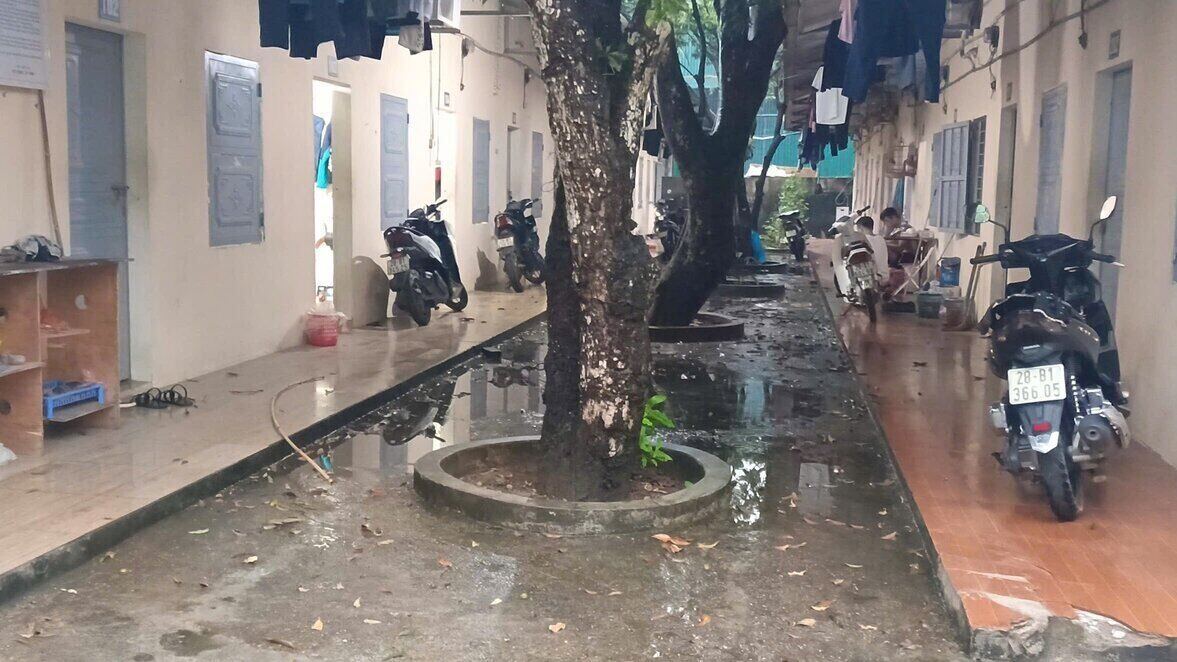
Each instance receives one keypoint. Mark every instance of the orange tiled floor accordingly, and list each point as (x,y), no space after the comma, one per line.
(81,482)
(1004,553)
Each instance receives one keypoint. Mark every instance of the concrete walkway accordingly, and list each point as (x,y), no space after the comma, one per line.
(1004,558)
(82,483)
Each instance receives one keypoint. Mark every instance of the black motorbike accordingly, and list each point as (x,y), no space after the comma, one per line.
(668,225)
(422,267)
(518,244)
(794,229)
(1051,338)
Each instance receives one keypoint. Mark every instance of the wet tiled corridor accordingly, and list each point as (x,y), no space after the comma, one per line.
(1005,555)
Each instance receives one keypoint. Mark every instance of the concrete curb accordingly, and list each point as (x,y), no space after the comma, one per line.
(82,549)
(721,328)
(439,488)
(768,267)
(752,290)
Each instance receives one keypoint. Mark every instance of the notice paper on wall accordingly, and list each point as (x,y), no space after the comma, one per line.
(22,44)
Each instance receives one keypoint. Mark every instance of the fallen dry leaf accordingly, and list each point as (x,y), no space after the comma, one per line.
(473,543)
(303,589)
(838,582)
(496,601)
(808,520)
(797,573)
(553,536)
(318,625)
(445,563)
(250,560)
(556,627)
(703,621)
(613,593)
(891,536)
(806,622)
(383,543)
(835,522)
(199,532)
(883,512)
(822,606)
(588,591)
(866,627)
(671,547)
(704,545)
(356,604)
(371,621)
(369,532)
(785,548)
(281,642)
(851,565)
(673,540)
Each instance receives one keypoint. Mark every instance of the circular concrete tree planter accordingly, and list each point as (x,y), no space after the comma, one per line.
(707,327)
(769,267)
(436,479)
(751,289)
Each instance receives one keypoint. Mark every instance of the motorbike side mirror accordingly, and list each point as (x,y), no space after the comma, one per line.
(1109,208)
(981,216)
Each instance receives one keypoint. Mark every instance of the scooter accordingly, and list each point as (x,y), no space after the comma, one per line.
(855,277)
(1051,339)
(668,226)
(795,233)
(518,244)
(422,268)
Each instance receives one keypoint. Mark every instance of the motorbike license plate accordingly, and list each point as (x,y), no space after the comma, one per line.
(790,233)
(1044,383)
(398,264)
(506,242)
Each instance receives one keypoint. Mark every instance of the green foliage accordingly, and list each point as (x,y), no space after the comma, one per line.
(615,57)
(653,418)
(794,194)
(670,11)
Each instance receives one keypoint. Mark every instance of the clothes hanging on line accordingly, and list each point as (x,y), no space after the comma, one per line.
(357,28)
(834,57)
(829,104)
(894,28)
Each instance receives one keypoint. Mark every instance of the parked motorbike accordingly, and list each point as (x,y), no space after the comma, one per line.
(668,226)
(795,233)
(1051,338)
(855,277)
(422,267)
(518,244)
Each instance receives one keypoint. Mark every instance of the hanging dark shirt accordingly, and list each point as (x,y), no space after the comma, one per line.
(894,28)
(834,58)
(274,17)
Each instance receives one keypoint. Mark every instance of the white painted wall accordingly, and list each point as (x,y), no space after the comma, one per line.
(1147,292)
(197,308)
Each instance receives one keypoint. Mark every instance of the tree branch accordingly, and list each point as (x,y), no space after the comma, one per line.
(747,66)
(684,133)
(701,76)
(777,139)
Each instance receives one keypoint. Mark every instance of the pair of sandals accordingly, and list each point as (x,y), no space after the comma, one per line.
(154,398)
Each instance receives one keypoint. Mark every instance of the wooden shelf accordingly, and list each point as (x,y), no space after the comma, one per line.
(6,370)
(64,334)
(74,412)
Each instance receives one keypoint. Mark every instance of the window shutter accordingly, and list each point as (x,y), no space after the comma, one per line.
(954,173)
(234,143)
(394,161)
(937,154)
(480,160)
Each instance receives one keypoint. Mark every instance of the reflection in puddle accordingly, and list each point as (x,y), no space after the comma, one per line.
(716,397)
(749,479)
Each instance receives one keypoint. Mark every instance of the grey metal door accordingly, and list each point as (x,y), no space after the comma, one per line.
(98,158)
(234,144)
(480,166)
(537,172)
(1051,136)
(394,160)
(1117,165)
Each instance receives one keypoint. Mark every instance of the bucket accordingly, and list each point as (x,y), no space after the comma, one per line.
(322,330)
(927,304)
(950,272)
(952,312)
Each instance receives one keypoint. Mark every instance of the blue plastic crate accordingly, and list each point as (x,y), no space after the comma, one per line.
(59,394)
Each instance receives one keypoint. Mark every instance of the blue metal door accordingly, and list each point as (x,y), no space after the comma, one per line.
(1050,160)
(1117,166)
(480,164)
(394,160)
(98,158)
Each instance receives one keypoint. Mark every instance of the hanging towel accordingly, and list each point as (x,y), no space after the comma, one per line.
(324,178)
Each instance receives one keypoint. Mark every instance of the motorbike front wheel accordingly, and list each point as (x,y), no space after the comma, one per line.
(798,246)
(459,303)
(870,299)
(1063,480)
(535,270)
(511,267)
(417,308)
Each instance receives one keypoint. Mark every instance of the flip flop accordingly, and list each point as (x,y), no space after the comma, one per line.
(150,399)
(177,396)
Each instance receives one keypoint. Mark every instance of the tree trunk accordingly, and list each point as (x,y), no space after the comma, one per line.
(745,222)
(712,162)
(596,111)
(777,139)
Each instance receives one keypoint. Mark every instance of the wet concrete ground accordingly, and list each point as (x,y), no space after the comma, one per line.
(816,559)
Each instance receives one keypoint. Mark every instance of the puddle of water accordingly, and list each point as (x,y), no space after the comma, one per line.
(714,397)
(188,643)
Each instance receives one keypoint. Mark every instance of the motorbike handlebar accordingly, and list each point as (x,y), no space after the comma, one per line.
(862,211)
(1103,257)
(986,259)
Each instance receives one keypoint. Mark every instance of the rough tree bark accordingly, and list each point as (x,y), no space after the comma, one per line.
(596,109)
(712,163)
